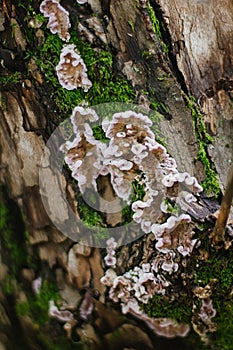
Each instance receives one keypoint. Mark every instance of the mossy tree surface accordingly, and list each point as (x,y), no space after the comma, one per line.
(162,84)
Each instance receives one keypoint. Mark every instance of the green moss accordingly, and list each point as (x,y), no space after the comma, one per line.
(99,134)
(159,106)
(13,238)
(218,266)
(131,24)
(27,6)
(157,26)
(37,307)
(106,85)
(40,18)
(89,216)
(223,338)
(138,193)
(8,284)
(178,305)
(179,309)
(165,77)
(93,220)
(154,20)
(211,183)
(172,207)
(10,79)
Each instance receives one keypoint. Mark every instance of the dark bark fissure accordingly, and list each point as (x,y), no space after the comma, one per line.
(172,46)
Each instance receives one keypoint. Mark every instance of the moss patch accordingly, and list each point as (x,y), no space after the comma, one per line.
(138,193)
(223,338)
(107,85)
(99,134)
(219,266)
(178,303)
(37,306)
(14,238)
(211,183)
(7,79)
(179,309)
(88,215)
(157,26)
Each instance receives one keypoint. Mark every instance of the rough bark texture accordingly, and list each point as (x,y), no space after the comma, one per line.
(203,49)
(199,61)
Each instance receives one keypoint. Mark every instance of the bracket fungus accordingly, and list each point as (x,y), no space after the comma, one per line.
(60,315)
(36,285)
(165,327)
(207,311)
(82,2)
(110,259)
(132,153)
(58,18)
(202,320)
(138,284)
(175,233)
(71,70)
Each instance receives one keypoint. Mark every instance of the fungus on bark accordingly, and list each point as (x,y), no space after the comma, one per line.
(86,307)
(133,153)
(71,70)
(165,327)
(175,234)
(138,284)
(166,262)
(83,155)
(202,320)
(110,259)
(60,315)
(58,18)
(36,285)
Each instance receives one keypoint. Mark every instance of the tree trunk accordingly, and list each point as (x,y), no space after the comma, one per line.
(174,58)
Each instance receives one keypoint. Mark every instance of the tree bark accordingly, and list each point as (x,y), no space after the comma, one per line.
(186,51)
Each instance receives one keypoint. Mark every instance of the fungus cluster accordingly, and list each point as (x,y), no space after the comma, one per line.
(110,259)
(83,155)
(60,315)
(59,22)
(139,284)
(202,320)
(207,311)
(71,70)
(175,234)
(133,153)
